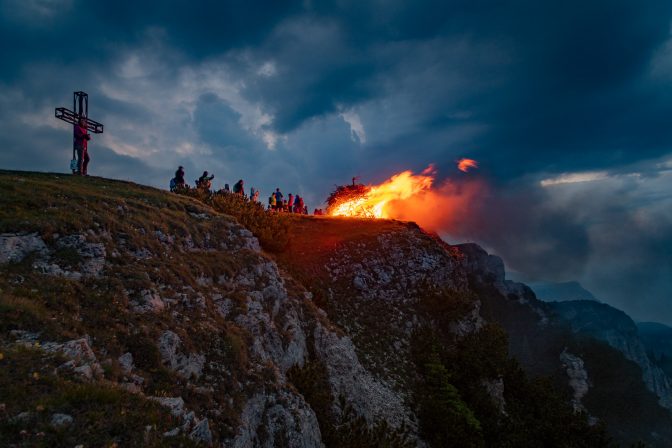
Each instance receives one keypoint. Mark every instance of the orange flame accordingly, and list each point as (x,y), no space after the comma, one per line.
(374,203)
(466,164)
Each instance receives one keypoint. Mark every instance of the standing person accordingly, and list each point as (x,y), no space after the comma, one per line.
(238,188)
(179,178)
(271,202)
(252,192)
(278,199)
(290,202)
(255,196)
(297,204)
(81,138)
(205,182)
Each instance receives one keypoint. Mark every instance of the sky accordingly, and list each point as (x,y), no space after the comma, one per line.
(566,105)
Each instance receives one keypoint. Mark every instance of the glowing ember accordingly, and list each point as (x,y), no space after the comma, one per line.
(371,201)
(466,164)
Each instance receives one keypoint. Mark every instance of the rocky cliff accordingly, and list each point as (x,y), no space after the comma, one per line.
(592,347)
(617,329)
(135,317)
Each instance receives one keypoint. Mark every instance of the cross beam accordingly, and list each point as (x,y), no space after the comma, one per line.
(80,106)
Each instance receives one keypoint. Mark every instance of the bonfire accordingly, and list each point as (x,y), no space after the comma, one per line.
(350,200)
(362,201)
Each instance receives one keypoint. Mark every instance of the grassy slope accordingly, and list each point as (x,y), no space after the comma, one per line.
(61,309)
(49,202)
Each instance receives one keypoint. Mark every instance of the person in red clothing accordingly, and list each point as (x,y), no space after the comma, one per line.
(290,203)
(81,137)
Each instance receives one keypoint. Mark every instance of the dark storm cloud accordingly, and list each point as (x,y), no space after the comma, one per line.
(569,79)
(218,125)
(565,77)
(533,235)
(318,68)
(632,267)
(72,31)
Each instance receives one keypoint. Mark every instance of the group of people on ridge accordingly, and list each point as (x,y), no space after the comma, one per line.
(204,182)
(293,204)
(276,202)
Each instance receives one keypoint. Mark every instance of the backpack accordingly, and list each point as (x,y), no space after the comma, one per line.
(73,163)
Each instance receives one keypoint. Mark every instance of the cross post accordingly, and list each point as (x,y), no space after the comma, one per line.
(80,111)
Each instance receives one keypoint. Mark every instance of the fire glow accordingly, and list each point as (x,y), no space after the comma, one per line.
(372,203)
(465,165)
(411,197)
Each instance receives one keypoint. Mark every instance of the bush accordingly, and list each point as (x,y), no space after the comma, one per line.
(445,419)
(270,228)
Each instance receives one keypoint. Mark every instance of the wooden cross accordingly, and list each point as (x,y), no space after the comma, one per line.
(80,106)
(80,111)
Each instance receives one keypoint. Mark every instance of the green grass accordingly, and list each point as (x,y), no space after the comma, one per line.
(123,216)
(103,415)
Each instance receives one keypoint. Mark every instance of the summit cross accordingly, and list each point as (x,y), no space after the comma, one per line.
(80,109)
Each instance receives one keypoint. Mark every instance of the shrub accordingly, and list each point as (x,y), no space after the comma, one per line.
(456,410)
(270,228)
(445,419)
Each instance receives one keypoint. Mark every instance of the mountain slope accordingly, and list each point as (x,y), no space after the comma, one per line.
(138,317)
(614,327)
(590,347)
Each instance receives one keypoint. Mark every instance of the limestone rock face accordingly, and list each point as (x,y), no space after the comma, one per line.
(369,397)
(578,378)
(201,432)
(15,246)
(61,420)
(285,416)
(186,365)
(83,360)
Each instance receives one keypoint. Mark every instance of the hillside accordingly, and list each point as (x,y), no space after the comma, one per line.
(136,317)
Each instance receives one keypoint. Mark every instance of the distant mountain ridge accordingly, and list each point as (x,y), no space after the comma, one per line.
(560,292)
(656,337)
(613,326)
